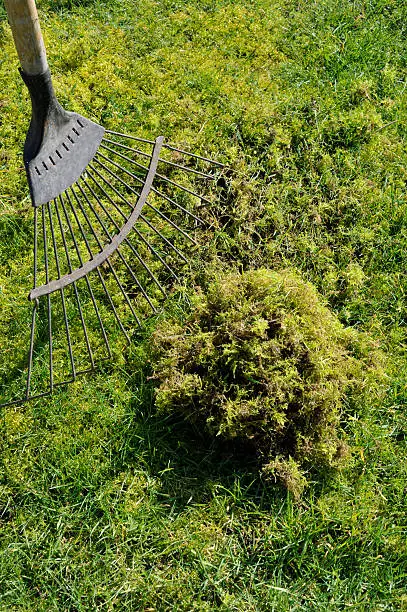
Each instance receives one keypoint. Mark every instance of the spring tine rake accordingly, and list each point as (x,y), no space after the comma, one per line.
(111,228)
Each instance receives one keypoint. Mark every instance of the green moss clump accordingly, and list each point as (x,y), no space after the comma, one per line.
(263,361)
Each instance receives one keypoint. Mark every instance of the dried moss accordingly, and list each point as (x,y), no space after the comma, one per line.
(263,361)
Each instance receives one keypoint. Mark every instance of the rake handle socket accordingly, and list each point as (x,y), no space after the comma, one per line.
(25,26)
(45,110)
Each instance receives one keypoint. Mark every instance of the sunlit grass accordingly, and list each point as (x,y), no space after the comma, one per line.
(104,505)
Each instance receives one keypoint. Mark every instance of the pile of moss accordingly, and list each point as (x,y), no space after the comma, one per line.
(261,360)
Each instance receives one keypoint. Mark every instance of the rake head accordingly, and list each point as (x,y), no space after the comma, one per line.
(110,233)
(59,144)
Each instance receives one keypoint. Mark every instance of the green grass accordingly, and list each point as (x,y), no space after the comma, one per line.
(104,505)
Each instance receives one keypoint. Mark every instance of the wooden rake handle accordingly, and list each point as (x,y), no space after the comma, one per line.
(25,25)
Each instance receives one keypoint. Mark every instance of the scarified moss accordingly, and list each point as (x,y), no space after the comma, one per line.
(261,360)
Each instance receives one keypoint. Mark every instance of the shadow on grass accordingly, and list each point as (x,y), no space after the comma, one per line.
(194,467)
(191,466)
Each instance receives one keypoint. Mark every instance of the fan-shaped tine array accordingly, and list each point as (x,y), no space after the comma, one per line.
(105,252)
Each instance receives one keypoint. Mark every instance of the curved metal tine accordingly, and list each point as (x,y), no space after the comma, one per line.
(31,351)
(174,203)
(140,259)
(164,161)
(34,313)
(174,225)
(68,259)
(92,296)
(131,137)
(27,399)
(167,146)
(101,248)
(102,281)
(138,179)
(45,240)
(139,285)
(121,196)
(161,176)
(157,191)
(68,336)
(149,246)
(164,239)
(195,155)
(114,272)
(155,230)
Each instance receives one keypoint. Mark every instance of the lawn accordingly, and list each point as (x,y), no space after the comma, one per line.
(105,504)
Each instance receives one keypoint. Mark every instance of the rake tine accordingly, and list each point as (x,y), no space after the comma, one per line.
(131,272)
(85,331)
(149,246)
(102,327)
(205,159)
(174,203)
(174,225)
(116,206)
(115,275)
(157,191)
(131,137)
(126,297)
(118,251)
(109,262)
(113,307)
(109,297)
(148,204)
(140,259)
(34,313)
(157,231)
(31,351)
(167,146)
(45,239)
(161,176)
(97,269)
(89,248)
(134,277)
(68,336)
(98,200)
(137,178)
(164,161)
(116,176)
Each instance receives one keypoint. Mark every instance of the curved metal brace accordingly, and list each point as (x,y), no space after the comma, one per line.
(98,259)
